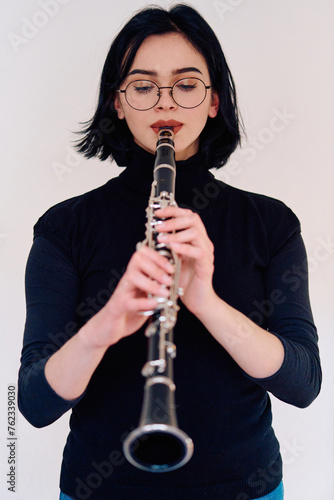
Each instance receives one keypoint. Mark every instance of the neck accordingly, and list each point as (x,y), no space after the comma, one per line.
(191,178)
(182,155)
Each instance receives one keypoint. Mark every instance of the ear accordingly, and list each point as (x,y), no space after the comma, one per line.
(214,107)
(118,107)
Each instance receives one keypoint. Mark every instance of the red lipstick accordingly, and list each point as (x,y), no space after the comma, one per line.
(176,126)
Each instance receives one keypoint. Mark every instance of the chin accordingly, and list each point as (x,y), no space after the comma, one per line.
(183,153)
(150,148)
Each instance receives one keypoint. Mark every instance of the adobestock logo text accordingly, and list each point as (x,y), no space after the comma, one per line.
(31,27)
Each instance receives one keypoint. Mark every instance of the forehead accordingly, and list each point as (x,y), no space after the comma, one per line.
(165,54)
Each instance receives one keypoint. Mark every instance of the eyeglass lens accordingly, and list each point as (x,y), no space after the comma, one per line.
(144,94)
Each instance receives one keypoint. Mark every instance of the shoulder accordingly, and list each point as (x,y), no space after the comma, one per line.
(266,205)
(260,214)
(68,208)
(268,208)
(69,216)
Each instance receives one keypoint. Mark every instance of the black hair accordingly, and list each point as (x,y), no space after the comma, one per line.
(105,135)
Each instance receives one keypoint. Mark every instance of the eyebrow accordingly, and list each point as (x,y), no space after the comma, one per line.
(174,72)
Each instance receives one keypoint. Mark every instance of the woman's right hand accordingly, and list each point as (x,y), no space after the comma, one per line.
(148,273)
(69,369)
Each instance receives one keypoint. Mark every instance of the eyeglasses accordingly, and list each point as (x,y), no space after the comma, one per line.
(143,94)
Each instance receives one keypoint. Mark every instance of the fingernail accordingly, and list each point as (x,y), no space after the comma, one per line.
(170,267)
(157,223)
(167,279)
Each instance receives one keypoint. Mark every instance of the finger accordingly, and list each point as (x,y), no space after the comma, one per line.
(143,283)
(154,272)
(154,265)
(186,250)
(183,221)
(146,257)
(172,211)
(144,274)
(190,235)
(141,305)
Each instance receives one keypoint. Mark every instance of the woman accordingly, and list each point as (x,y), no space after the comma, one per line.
(245,325)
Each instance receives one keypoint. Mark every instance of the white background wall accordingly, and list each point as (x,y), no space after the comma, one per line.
(281,56)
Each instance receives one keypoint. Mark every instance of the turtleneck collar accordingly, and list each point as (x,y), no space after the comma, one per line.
(190,175)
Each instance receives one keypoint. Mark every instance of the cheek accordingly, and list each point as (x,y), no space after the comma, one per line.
(133,122)
(198,120)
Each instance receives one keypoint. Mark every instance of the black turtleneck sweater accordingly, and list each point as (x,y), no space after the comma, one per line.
(81,248)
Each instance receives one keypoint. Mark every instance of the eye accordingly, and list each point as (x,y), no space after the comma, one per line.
(142,88)
(186,85)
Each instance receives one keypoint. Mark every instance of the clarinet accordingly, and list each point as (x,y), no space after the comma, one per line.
(157,444)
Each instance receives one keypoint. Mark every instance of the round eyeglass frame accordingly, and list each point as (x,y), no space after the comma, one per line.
(120,91)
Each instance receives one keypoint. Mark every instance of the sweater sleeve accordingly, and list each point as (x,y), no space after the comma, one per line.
(51,295)
(289,317)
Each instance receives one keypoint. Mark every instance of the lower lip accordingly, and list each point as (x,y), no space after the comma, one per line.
(175,129)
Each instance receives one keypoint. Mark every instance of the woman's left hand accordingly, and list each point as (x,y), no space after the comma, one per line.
(196,251)
(257,351)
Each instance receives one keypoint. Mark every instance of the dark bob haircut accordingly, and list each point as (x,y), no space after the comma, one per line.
(105,135)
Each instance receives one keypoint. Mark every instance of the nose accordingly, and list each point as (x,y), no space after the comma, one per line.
(166,100)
